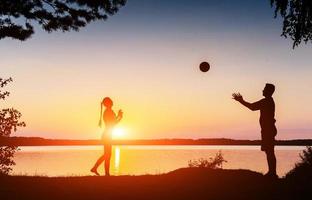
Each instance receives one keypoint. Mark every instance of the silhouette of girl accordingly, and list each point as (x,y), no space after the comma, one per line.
(110,120)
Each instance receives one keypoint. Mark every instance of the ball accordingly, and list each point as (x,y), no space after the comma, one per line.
(204,66)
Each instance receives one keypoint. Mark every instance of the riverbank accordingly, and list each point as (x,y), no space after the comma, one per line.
(186,183)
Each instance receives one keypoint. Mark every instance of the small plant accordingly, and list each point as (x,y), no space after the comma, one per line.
(211,163)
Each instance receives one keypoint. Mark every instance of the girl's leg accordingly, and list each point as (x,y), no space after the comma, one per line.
(107,157)
(97,164)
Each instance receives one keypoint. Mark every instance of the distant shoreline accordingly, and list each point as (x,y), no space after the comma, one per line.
(37,141)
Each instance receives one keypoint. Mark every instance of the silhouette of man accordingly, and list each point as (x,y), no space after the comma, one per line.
(267,123)
(110,119)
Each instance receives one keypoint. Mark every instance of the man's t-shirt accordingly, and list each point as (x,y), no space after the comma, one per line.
(267,113)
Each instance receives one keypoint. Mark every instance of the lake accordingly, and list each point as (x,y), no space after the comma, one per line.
(139,160)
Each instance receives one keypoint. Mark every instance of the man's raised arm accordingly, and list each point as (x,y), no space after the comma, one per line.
(252,106)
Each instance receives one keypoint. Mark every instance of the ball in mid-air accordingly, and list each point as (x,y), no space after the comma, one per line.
(204,66)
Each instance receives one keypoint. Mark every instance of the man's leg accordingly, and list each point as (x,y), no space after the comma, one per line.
(271,161)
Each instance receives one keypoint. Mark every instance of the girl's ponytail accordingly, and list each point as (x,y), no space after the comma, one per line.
(100,121)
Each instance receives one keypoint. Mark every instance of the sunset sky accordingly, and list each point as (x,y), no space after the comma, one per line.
(146,59)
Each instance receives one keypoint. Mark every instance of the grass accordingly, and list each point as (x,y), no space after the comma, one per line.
(185,183)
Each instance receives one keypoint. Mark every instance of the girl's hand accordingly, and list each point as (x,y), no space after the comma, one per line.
(120,113)
(100,123)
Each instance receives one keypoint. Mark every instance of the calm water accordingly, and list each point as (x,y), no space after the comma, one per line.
(136,160)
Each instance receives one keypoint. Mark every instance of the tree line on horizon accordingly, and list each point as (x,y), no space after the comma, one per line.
(38,141)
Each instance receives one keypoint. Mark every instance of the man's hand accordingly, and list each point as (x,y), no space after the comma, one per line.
(237,97)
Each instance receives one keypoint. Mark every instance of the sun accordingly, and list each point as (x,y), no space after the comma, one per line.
(118,133)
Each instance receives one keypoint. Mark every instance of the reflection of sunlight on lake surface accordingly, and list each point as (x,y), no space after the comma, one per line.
(135,160)
(117,159)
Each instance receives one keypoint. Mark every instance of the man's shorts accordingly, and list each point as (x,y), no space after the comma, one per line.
(268,139)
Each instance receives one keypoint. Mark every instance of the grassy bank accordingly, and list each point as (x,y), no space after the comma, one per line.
(187,183)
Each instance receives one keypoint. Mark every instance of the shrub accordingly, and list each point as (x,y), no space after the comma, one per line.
(298,181)
(9,121)
(211,163)
(302,169)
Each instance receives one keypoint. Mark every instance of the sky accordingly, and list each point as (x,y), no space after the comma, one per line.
(146,59)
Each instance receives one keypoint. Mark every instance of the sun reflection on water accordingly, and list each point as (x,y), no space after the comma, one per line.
(117,159)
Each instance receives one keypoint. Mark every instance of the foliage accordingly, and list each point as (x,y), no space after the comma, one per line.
(297,19)
(211,163)
(2,84)
(9,121)
(298,181)
(17,17)
(302,169)
(6,159)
